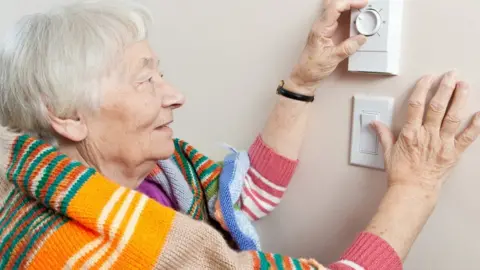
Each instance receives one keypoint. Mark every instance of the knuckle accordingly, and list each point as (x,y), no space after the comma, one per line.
(437,107)
(408,136)
(415,104)
(453,119)
(348,49)
(468,138)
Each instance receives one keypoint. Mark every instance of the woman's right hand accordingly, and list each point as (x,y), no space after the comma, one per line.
(418,162)
(429,147)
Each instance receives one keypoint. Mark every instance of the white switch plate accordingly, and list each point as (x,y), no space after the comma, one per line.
(365,149)
(381,22)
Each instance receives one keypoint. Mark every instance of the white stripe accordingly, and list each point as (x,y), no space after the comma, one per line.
(12,201)
(114,227)
(128,233)
(260,201)
(37,179)
(247,202)
(351,264)
(262,192)
(266,181)
(101,221)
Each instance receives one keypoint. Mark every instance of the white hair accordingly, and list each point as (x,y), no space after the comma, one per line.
(57,59)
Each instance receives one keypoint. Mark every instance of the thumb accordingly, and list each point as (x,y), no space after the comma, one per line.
(350,46)
(384,134)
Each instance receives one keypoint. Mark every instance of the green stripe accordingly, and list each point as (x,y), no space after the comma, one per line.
(9,197)
(264,264)
(58,179)
(27,215)
(36,212)
(75,188)
(211,189)
(208,171)
(279,261)
(297,264)
(52,166)
(8,211)
(35,237)
(35,165)
(13,213)
(16,151)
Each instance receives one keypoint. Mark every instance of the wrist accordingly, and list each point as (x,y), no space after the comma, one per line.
(296,86)
(414,195)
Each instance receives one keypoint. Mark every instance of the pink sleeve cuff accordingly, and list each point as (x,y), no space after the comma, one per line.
(274,167)
(370,252)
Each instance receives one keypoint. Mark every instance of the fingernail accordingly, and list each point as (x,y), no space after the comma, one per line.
(361,40)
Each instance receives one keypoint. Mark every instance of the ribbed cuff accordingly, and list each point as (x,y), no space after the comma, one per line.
(370,252)
(274,167)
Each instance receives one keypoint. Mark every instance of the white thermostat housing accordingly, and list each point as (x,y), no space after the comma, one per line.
(381,22)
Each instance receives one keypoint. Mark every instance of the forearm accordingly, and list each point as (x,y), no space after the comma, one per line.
(285,128)
(401,216)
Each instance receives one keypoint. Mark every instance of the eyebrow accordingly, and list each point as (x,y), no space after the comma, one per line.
(148,62)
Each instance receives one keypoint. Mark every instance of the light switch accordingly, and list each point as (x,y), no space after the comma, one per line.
(381,22)
(365,149)
(368,137)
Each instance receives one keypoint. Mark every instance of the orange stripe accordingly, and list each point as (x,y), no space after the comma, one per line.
(271,260)
(256,260)
(50,256)
(150,234)
(288,263)
(121,231)
(107,227)
(90,200)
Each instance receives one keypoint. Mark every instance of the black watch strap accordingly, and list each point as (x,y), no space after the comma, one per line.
(292,95)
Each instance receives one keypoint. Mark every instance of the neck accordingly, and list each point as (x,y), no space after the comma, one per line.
(122,172)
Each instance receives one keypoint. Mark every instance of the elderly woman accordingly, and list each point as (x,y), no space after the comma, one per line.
(91,177)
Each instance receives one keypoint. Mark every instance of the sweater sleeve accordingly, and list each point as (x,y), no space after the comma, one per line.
(194,245)
(266,181)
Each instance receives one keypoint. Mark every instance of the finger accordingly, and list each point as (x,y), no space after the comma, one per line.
(384,134)
(469,135)
(333,11)
(439,103)
(417,101)
(349,46)
(453,119)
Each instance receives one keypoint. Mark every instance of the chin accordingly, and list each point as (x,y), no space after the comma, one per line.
(165,149)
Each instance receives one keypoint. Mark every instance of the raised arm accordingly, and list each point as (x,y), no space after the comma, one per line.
(275,152)
(420,160)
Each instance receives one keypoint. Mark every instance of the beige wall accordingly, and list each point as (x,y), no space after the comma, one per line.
(229,65)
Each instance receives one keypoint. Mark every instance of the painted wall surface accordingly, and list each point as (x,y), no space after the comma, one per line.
(228,57)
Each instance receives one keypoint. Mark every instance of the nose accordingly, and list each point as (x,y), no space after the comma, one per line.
(173,98)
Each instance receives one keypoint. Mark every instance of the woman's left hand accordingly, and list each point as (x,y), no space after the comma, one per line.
(321,55)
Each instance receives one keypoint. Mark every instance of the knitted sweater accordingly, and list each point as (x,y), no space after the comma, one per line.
(56,213)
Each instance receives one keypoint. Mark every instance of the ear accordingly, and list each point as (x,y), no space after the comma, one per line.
(73,129)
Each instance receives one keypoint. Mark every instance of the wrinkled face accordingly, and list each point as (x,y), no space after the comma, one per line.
(137,108)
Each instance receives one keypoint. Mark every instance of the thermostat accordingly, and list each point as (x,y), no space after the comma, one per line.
(381,22)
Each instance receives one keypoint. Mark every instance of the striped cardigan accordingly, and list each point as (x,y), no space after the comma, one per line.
(56,213)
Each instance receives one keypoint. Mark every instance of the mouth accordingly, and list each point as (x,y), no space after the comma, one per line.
(164,126)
